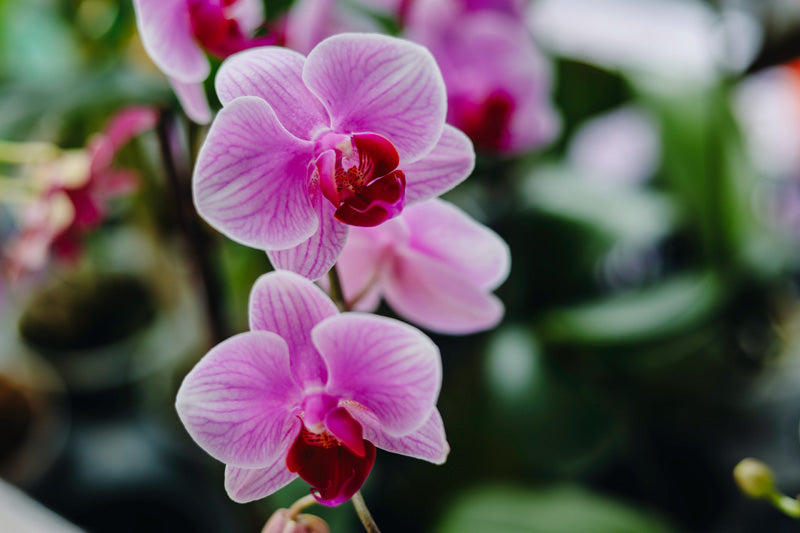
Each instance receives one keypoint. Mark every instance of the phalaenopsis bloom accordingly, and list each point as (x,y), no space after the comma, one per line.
(434,265)
(177,34)
(310,392)
(305,148)
(497,80)
(69,194)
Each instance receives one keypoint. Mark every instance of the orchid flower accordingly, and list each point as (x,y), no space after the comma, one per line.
(70,192)
(304,148)
(434,265)
(177,33)
(498,82)
(310,392)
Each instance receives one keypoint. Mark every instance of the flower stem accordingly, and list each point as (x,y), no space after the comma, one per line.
(337,295)
(12,152)
(787,505)
(200,255)
(363,514)
(299,505)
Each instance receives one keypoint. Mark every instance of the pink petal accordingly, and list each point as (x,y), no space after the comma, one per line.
(249,14)
(248,484)
(447,165)
(428,443)
(442,231)
(129,122)
(192,97)
(379,84)
(240,402)
(361,263)
(167,37)
(290,305)
(438,297)
(315,257)
(250,181)
(273,74)
(383,364)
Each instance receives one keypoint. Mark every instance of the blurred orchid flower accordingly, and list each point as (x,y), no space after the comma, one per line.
(69,194)
(434,265)
(497,81)
(303,148)
(310,392)
(177,33)
(619,148)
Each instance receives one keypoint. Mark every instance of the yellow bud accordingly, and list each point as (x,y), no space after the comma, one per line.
(754,478)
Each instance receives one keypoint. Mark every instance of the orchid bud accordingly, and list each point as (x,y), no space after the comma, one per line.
(280,522)
(754,478)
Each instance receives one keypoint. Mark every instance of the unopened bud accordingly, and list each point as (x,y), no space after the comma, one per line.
(754,478)
(280,522)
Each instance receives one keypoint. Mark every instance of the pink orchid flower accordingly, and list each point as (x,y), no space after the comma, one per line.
(72,193)
(177,33)
(434,265)
(310,392)
(304,148)
(497,80)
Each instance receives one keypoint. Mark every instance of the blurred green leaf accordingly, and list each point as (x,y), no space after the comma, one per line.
(562,509)
(621,213)
(655,312)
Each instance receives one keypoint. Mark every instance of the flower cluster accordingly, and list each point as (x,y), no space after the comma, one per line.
(331,163)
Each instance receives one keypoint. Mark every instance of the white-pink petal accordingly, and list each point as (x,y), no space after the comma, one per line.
(290,306)
(442,231)
(166,32)
(315,257)
(250,181)
(387,366)
(428,443)
(240,402)
(249,484)
(273,74)
(192,97)
(438,297)
(380,84)
(447,165)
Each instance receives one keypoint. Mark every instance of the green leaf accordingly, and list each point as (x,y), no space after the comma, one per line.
(560,509)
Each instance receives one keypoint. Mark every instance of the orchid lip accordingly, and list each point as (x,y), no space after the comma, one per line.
(359,176)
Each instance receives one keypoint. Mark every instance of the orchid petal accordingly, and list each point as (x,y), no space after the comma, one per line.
(250,181)
(360,266)
(248,484)
(273,74)
(438,297)
(290,305)
(447,165)
(192,97)
(166,32)
(314,257)
(387,366)
(441,230)
(240,402)
(379,84)
(428,443)
(248,14)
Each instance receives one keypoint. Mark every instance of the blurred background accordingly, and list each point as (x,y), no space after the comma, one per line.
(651,333)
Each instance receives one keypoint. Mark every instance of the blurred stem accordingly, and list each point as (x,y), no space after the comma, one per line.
(337,295)
(12,152)
(199,251)
(363,514)
(787,505)
(301,504)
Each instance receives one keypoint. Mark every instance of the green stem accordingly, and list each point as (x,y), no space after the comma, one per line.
(337,295)
(787,505)
(363,514)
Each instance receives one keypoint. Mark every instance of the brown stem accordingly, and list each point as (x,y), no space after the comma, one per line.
(363,514)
